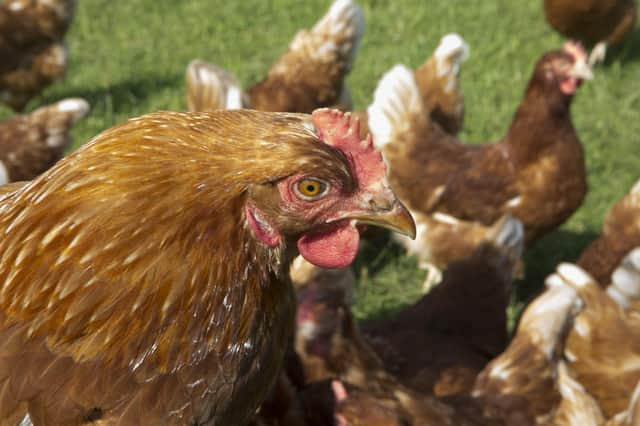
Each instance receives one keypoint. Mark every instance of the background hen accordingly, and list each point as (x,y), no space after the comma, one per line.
(519,386)
(442,342)
(147,272)
(595,22)
(603,347)
(32,51)
(31,143)
(536,172)
(309,75)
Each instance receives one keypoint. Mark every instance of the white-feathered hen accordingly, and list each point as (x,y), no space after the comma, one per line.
(309,75)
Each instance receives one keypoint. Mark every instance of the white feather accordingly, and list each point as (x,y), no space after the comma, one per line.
(395,99)
(450,54)
(4,174)
(574,274)
(625,280)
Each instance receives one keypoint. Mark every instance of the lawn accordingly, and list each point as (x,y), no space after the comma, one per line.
(128,58)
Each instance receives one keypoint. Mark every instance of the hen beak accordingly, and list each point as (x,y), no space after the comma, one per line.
(386,211)
(581,70)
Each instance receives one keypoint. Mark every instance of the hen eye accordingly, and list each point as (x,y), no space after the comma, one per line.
(311,189)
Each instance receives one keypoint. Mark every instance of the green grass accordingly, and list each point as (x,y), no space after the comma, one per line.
(128,58)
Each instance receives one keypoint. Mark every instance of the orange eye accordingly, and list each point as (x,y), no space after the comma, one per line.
(309,189)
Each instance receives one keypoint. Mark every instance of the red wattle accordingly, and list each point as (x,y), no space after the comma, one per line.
(333,248)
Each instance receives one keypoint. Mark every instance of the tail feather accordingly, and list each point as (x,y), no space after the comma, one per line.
(210,87)
(395,101)
(450,54)
(625,280)
(57,119)
(341,28)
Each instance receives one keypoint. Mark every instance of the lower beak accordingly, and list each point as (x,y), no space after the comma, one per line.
(396,219)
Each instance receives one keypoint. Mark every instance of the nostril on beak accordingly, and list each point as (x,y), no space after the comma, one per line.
(381,204)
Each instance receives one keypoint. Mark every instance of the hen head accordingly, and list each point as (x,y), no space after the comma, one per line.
(565,69)
(320,206)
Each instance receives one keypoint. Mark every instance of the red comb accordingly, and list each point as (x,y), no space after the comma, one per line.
(339,130)
(575,49)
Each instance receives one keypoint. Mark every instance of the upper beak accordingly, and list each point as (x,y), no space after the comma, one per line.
(581,70)
(386,211)
(397,219)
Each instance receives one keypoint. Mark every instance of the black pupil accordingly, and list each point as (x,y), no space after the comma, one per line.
(311,187)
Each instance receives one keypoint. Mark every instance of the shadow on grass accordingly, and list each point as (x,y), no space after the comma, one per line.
(120,96)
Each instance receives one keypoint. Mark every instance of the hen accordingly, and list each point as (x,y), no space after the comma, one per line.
(330,345)
(442,342)
(31,143)
(32,51)
(536,172)
(603,348)
(595,22)
(144,278)
(438,81)
(308,76)
(519,386)
(620,234)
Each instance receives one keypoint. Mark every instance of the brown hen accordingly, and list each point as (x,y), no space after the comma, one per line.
(535,173)
(144,278)
(595,22)
(603,347)
(330,345)
(309,75)
(31,143)
(32,51)
(519,386)
(440,344)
